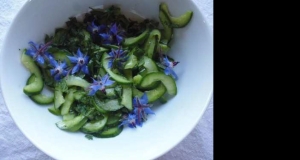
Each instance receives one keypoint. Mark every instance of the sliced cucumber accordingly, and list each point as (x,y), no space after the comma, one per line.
(69,116)
(132,62)
(113,120)
(149,65)
(111,105)
(29,63)
(156,93)
(69,100)
(151,43)
(153,94)
(58,97)
(110,132)
(54,111)
(79,94)
(77,81)
(167,81)
(72,125)
(137,79)
(134,40)
(42,99)
(167,33)
(39,98)
(108,105)
(163,99)
(113,75)
(98,105)
(127,91)
(61,55)
(36,86)
(177,22)
(162,48)
(127,97)
(94,126)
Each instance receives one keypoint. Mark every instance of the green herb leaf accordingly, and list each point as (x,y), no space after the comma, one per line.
(89,137)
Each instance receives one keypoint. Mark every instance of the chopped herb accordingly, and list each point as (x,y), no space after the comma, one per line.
(89,137)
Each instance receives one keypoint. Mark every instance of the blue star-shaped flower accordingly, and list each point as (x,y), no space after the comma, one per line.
(117,56)
(95,30)
(129,120)
(80,61)
(100,84)
(59,68)
(169,67)
(141,108)
(38,51)
(113,36)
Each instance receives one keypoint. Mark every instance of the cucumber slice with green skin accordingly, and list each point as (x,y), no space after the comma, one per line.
(167,33)
(77,81)
(61,55)
(163,99)
(167,81)
(162,48)
(137,79)
(135,40)
(113,121)
(132,62)
(149,65)
(98,105)
(58,97)
(116,77)
(153,94)
(151,43)
(36,86)
(69,116)
(68,102)
(127,91)
(156,93)
(54,111)
(177,22)
(108,105)
(109,133)
(94,126)
(72,125)
(79,94)
(29,63)
(112,105)
(39,98)
(42,99)
(127,97)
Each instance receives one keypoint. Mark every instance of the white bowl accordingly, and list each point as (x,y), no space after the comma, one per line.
(192,46)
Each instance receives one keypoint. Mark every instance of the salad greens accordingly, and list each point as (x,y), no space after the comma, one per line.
(105,71)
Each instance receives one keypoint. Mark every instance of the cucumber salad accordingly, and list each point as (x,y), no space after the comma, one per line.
(104,72)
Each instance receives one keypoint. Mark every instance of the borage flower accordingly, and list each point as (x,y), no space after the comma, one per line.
(95,30)
(100,84)
(38,51)
(117,57)
(169,67)
(80,61)
(141,108)
(113,36)
(59,68)
(129,120)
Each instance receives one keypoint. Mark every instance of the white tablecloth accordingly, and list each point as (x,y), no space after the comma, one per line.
(198,145)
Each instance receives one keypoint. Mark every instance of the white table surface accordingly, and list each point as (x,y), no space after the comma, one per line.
(198,145)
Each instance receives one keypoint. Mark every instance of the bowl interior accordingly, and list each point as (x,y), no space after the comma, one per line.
(192,46)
